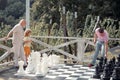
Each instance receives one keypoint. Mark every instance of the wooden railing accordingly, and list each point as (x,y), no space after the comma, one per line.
(82,44)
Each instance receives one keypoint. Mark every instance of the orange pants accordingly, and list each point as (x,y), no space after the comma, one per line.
(27,51)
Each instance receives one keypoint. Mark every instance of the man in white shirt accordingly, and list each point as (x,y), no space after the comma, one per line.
(17,41)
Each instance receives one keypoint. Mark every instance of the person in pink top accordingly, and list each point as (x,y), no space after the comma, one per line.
(101,44)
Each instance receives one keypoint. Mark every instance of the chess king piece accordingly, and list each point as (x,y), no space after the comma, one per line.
(21,70)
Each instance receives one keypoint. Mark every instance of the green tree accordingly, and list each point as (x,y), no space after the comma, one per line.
(3,4)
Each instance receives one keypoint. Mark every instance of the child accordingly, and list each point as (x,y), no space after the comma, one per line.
(27,43)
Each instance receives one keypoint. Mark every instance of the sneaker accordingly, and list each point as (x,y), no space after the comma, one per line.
(90,65)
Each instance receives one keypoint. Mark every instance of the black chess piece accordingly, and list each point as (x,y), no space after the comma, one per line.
(113,60)
(116,74)
(101,64)
(118,58)
(97,72)
(118,61)
(105,61)
(112,64)
(106,73)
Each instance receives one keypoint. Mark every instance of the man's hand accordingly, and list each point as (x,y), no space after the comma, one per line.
(94,41)
(106,55)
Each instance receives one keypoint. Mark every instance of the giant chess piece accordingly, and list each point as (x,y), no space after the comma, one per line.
(21,70)
(99,68)
(56,59)
(50,59)
(106,73)
(111,64)
(118,61)
(113,60)
(101,64)
(38,68)
(116,74)
(30,66)
(37,62)
(44,64)
(104,61)
(97,72)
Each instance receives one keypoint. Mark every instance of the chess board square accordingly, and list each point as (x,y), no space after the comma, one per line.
(57,73)
(84,77)
(50,77)
(62,69)
(91,70)
(67,67)
(60,78)
(63,75)
(84,68)
(81,71)
(88,74)
(71,78)
(69,72)
(74,69)
(52,71)
(76,75)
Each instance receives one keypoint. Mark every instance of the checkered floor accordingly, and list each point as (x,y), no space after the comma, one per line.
(70,72)
(59,72)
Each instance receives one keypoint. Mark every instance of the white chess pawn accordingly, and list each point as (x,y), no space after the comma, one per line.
(21,70)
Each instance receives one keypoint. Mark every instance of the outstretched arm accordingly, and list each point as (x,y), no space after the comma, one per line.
(10,33)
